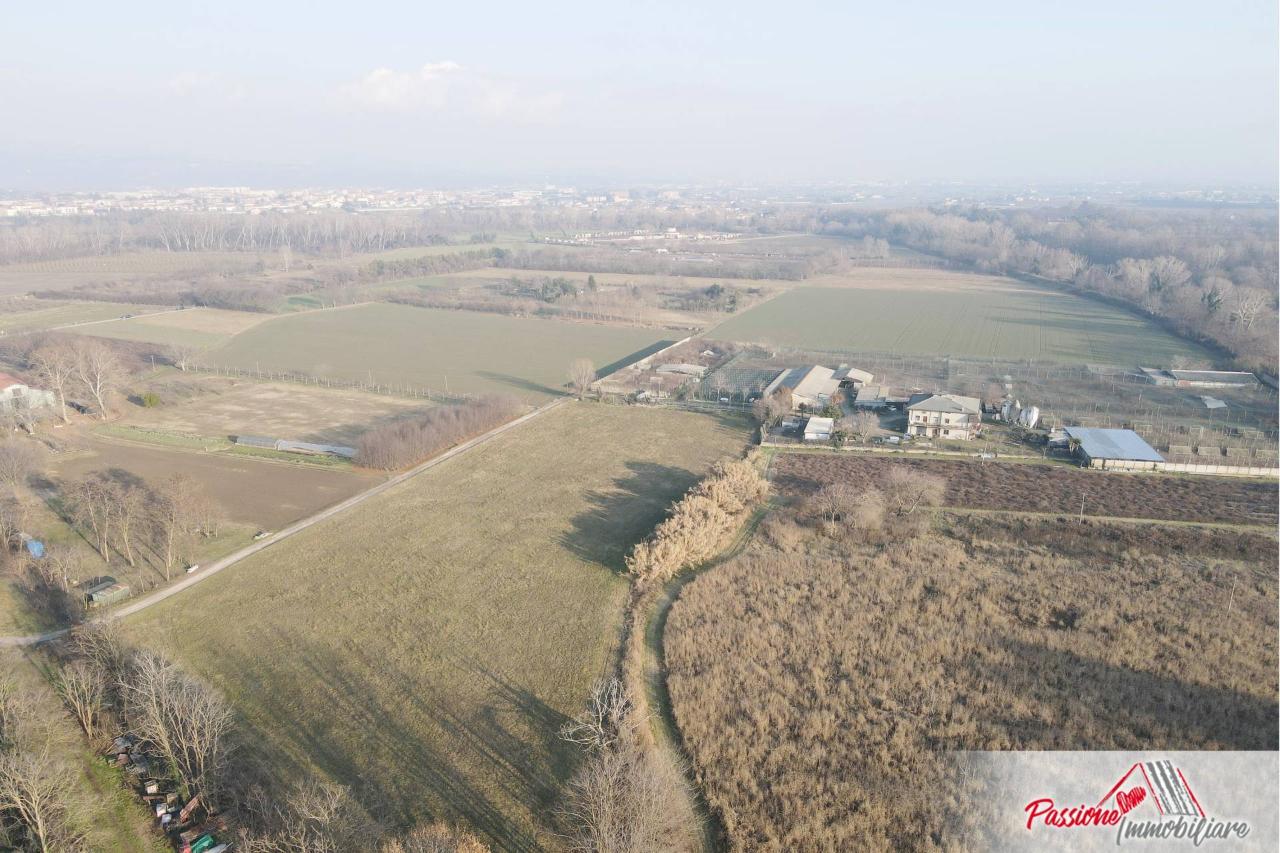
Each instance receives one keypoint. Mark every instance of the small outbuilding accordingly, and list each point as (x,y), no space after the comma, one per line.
(1114,449)
(819,429)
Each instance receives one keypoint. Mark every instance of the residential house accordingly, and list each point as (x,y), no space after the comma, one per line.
(944,416)
(14,394)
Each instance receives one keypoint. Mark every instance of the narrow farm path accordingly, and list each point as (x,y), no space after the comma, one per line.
(297,527)
(657,698)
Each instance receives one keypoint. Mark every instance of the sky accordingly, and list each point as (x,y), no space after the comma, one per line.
(126,94)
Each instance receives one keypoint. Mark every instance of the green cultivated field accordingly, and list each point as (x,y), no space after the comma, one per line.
(944,313)
(427,645)
(398,344)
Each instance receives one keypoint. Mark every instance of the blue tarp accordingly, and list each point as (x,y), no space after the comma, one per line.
(35,548)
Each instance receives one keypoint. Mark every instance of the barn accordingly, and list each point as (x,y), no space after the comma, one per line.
(1113,449)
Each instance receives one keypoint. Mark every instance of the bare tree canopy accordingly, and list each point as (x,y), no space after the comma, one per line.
(581,374)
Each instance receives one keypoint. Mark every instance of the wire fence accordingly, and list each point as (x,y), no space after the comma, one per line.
(390,389)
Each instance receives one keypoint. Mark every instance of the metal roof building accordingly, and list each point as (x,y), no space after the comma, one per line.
(1118,449)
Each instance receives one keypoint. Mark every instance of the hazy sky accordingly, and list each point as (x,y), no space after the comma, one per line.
(106,94)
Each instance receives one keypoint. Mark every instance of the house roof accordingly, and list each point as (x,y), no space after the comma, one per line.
(813,381)
(854,373)
(820,425)
(873,392)
(8,380)
(1113,444)
(950,403)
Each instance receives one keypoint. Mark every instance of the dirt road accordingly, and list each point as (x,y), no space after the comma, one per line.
(280,535)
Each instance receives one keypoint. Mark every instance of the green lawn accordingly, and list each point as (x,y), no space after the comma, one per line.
(968,316)
(426,646)
(458,351)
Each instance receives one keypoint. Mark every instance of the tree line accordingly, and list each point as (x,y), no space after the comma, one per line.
(402,443)
(137,700)
(1212,276)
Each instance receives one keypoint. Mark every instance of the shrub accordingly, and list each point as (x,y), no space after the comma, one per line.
(407,442)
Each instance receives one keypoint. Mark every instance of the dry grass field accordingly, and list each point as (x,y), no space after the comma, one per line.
(820,683)
(202,327)
(459,351)
(1048,488)
(430,642)
(71,272)
(251,491)
(210,405)
(35,315)
(951,313)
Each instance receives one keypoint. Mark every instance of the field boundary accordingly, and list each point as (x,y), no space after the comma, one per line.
(281,535)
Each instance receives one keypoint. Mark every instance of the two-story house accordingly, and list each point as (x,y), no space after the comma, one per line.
(944,416)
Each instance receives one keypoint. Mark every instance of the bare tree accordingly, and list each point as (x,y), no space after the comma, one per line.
(865,424)
(772,409)
(129,503)
(182,354)
(177,516)
(910,489)
(188,722)
(99,372)
(313,817)
(435,838)
(82,687)
(608,710)
(55,364)
(581,374)
(833,502)
(90,500)
(35,787)
(20,459)
(1248,304)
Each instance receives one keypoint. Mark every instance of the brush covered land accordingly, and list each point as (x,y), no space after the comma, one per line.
(820,679)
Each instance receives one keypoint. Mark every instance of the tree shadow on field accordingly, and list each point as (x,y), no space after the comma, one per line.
(1113,706)
(409,753)
(621,516)
(521,383)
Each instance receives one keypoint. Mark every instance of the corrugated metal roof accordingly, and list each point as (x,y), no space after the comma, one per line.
(1114,444)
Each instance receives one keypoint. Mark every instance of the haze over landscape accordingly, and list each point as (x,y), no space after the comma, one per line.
(589,428)
(290,94)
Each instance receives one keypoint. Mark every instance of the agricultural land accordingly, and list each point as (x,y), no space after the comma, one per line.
(949,313)
(433,640)
(453,351)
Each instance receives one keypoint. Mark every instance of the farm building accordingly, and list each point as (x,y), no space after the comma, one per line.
(1114,449)
(104,590)
(15,394)
(1199,378)
(852,377)
(695,370)
(872,397)
(944,416)
(812,387)
(819,429)
(288,446)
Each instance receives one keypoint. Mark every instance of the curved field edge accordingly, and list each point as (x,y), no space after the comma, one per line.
(426,646)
